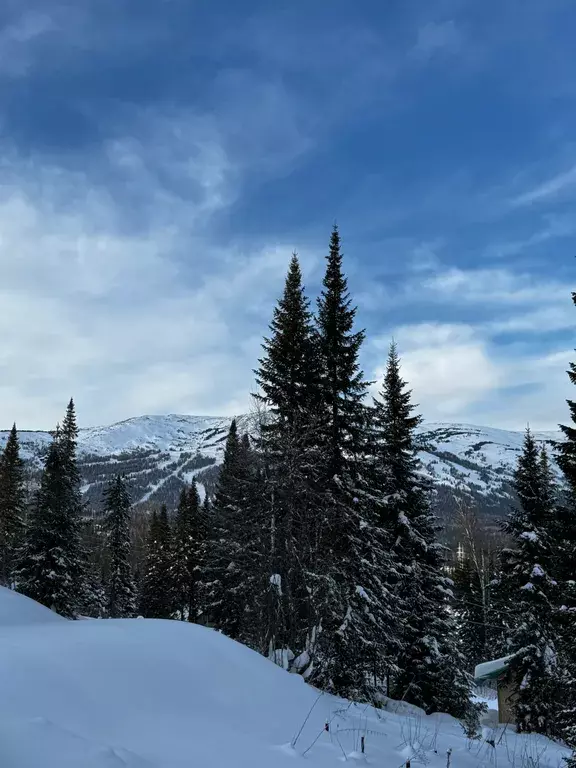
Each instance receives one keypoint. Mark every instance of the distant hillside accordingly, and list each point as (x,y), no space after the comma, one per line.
(161,453)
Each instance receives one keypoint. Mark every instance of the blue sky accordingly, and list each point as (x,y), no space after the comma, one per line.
(161,160)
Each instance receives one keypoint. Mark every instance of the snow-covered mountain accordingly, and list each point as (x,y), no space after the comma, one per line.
(160,453)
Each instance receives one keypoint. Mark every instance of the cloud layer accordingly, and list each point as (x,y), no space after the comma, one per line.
(160,163)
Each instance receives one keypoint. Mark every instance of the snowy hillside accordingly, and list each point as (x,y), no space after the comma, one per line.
(164,694)
(17,610)
(474,458)
(159,453)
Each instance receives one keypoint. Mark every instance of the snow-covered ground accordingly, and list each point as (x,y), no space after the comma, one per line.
(17,610)
(161,694)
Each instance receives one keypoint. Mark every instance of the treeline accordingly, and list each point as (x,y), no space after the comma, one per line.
(318,547)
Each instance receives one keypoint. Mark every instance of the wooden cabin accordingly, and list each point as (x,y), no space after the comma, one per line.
(497,670)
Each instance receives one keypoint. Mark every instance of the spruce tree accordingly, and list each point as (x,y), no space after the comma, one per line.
(528,580)
(206,507)
(431,670)
(289,372)
(90,587)
(208,528)
(354,604)
(120,588)
(12,507)
(343,384)
(95,601)
(50,570)
(469,608)
(189,536)
(567,449)
(288,448)
(157,595)
(69,442)
(234,567)
(221,612)
(565,536)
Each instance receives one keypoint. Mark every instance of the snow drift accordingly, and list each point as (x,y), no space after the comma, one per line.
(17,610)
(161,694)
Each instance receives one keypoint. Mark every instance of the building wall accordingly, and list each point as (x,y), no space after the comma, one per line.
(506,698)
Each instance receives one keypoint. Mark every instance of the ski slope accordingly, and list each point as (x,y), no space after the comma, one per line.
(160,694)
(158,454)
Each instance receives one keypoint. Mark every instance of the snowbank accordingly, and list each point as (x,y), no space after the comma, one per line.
(17,610)
(160,694)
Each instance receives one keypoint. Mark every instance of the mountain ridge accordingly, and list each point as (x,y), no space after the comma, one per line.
(160,453)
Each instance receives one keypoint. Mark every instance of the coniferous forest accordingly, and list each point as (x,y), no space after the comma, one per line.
(318,548)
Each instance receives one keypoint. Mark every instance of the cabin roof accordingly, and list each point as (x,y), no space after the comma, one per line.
(491,670)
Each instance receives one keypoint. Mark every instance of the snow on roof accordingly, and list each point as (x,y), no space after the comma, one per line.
(490,670)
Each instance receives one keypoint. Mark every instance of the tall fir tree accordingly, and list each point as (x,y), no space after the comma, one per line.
(234,565)
(157,593)
(50,570)
(189,541)
(431,670)
(528,581)
(120,587)
(90,588)
(354,603)
(289,374)
(287,444)
(221,611)
(12,507)
(470,612)
(567,449)
(565,535)
(343,384)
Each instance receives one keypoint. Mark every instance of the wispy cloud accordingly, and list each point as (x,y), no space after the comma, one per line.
(556,227)
(492,286)
(548,189)
(17,40)
(151,318)
(538,321)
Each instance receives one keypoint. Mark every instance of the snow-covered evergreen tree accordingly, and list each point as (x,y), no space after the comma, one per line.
(565,538)
(354,607)
(12,506)
(567,449)
(289,373)
(94,602)
(189,540)
(51,570)
(471,613)
(289,454)
(157,595)
(432,672)
(221,611)
(120,587)
(234,564)
(528,580)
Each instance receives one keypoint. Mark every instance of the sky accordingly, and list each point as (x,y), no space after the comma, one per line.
(161,159)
